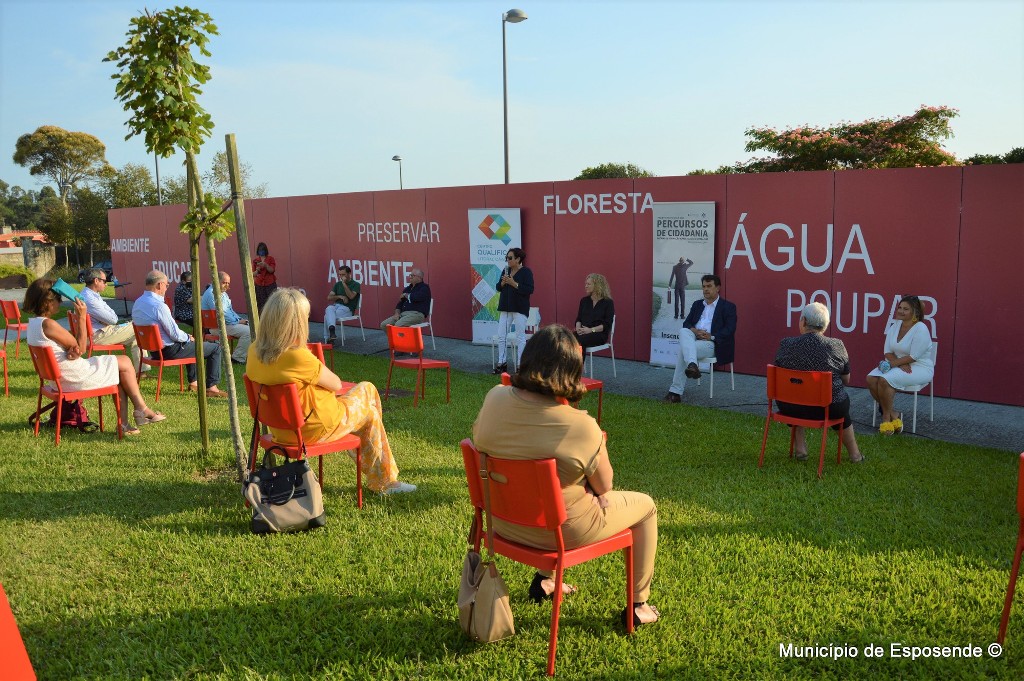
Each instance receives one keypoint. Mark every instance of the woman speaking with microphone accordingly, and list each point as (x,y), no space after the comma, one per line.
(514,291)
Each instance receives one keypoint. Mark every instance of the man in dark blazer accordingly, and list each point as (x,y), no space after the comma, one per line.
(708,331)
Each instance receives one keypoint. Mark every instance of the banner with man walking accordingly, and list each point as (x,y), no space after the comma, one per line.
(684,251)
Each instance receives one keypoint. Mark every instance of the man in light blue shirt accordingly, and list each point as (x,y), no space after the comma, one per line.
(105,327)
(151,309)
(237,327)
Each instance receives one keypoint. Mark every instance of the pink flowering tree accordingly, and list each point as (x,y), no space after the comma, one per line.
(906,142)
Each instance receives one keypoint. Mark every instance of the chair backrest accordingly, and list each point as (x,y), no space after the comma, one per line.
(318,351)
(611,334)
(809,388)
(278,406)
(523,492)
(11,312)
(208,319)
(430,311)
(148,337)
(405,339)
(73,323)
(45,363)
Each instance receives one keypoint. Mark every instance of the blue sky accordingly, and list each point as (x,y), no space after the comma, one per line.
(321,95)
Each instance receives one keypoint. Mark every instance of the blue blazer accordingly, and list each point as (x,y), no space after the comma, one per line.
(723,327)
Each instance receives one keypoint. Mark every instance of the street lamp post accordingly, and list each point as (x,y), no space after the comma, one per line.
(398,158)
(513,16)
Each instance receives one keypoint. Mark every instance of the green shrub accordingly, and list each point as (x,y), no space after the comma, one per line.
(68,273)
(15,270)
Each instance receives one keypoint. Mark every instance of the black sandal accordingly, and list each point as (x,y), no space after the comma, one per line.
(537,593)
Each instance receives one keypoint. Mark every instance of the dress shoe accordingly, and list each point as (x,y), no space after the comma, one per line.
(673,398)
(500,369)
(692,370)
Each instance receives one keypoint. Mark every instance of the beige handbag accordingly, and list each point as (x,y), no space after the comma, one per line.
(484,610)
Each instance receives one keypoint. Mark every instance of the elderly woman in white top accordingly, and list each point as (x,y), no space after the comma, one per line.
(908,354)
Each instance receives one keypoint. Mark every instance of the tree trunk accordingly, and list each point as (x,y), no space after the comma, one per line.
(194,199)
(242,235)
(241,450)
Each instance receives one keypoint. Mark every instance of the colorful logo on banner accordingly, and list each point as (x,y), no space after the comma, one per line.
(499,234)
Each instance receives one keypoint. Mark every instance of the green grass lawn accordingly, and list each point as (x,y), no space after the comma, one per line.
(133,560)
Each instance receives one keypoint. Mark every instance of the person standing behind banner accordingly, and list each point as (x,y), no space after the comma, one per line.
(263,271)
(514,291)
(597,311)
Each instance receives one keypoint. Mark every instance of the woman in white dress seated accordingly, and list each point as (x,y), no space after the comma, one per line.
(77,372)
(908,353)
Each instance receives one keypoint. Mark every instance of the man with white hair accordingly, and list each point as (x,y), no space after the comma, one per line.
(414,305)
(150,309)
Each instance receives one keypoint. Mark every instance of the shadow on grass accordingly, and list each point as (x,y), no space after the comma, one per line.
(276,635)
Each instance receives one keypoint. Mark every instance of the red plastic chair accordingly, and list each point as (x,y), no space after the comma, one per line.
(528,493)
(1012,586)
(101,347)
(280,408)
(318,351)
(410,339)
(208,319)
(3,356)
(148,338)
(807,388)
(12,316)
(46,366)
(14,662)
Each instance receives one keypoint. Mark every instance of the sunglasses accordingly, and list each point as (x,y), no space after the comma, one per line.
(510,257)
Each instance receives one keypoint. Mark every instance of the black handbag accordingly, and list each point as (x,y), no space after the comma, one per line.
(285,498)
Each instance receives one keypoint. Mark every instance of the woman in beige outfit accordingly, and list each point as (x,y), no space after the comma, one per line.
(531,419)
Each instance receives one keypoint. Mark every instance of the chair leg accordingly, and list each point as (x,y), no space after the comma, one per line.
(556,609)
(448,384)
(361,331)
(600,399)
(58,408)
(159,381)
(39,406)
(821,458)
(914,427)
(359,477)
(320,469)
(764,439)
(732,374)
(628,551)
(99,405)
(1012,586)
(387,386)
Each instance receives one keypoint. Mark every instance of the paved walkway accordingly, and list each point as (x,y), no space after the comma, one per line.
(977,423)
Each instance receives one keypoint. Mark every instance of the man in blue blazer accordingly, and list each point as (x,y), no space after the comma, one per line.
(708,331)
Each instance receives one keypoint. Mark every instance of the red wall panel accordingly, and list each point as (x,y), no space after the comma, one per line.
(766,247)
(345,211)
(449,256)
(987,362)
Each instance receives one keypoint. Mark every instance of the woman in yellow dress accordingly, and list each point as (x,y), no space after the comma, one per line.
(280,356)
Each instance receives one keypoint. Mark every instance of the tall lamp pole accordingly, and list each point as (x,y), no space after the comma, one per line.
(398,158)
(513,16)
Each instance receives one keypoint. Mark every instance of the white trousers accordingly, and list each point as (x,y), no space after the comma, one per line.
(505,322)
(691,350)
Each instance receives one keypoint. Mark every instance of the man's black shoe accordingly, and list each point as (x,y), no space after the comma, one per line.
(692,370)
(673,398)
(500,369)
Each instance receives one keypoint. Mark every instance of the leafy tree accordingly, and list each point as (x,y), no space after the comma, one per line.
(174,190)
(129,187)
(89,220)
(56,223)
(909,141)
(1015,155)
(158,80)
(613,170)
(65,157)
(218,180)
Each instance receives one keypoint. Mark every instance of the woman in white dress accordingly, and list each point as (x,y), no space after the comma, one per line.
(908,350)
(77,372)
